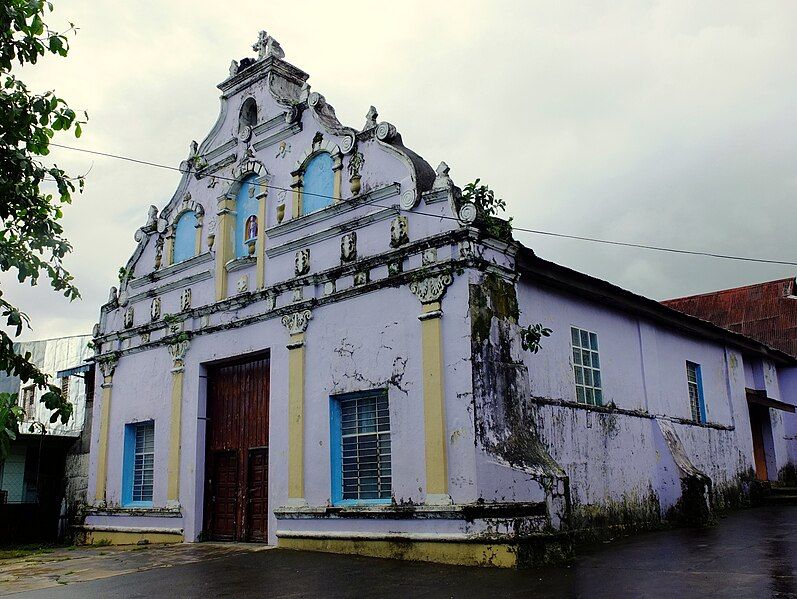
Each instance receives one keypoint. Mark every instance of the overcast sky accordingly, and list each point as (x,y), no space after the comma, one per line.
(665,123)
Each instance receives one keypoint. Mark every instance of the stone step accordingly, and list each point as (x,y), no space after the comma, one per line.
(781,490)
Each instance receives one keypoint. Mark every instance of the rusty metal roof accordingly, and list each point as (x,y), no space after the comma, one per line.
(766,311)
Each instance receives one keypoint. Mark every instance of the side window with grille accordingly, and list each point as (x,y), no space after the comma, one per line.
(360,445)
(139,464)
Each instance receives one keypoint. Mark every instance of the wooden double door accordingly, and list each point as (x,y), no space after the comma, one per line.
(236,451)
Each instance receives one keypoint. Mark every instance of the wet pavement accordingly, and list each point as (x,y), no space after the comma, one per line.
(752,553)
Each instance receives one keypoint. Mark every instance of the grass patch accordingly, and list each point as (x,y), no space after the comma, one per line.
(17,551)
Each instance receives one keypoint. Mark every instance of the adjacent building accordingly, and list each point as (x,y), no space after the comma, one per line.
(43,480)
(321,343)
(764,311)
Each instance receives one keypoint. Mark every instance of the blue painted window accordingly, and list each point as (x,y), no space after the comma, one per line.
(586,367)
(317,183)
(245,206)
(185,236)
(360,445)
(139,464)
(694,382)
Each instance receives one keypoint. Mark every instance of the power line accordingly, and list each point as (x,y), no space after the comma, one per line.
(519,229)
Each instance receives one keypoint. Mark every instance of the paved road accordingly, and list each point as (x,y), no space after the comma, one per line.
(752,553)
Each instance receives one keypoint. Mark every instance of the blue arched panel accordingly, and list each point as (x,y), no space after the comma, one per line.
(245,206)
(185,236)
(318,183)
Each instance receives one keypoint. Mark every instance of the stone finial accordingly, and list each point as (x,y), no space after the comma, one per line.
(261,45)
(442,180)
(193,150)
(267,46)
(233,68)
(370,118)
(152,216)
(304,95)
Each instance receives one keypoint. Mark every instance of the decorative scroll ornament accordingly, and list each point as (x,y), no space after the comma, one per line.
(347,143)
(348,247)
(431,289)
(297,322)
(385,131)
(409,199)
(467,213)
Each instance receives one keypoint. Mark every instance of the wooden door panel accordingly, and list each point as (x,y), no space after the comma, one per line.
(237,423)
(257,489)
(224,495)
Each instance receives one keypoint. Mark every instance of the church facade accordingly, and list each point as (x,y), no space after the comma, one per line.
(321,343)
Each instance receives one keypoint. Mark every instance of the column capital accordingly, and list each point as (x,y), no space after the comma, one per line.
(178,350)
(107,365)
(431,289)
(296,322)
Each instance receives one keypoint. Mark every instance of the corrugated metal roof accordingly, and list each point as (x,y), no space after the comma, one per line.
(766,311)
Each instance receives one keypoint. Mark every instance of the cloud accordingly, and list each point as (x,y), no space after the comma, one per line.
(663,123)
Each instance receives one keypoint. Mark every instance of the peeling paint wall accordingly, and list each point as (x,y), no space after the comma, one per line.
(613,456)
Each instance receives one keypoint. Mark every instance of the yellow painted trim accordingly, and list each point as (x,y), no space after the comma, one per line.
(94,537)
(170,249)
(102,450)
(198,242)
(260,250)
(296,417)
(501,555)
(296,202)
(225,235)
(173,468)
(337,168)
(433,404)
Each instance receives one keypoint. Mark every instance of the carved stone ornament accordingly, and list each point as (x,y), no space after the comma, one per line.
(271,301)
(95,331)
(266,46)
(155,309)
(467,213)
(244,133)
(394,267)
(467,249)
(431,289)
(178,350)
(370,118)
(348,247)
(347,143)
(429,256)
(243,284)
(108,366)
(360,278)
(302,262)
(315,100)
(298,294)
(128,318)
(185,299)
(409,199)
(233,68)
(112,296)
(385,131)
(399,231)
(297,322)
(145,337)
(329,287)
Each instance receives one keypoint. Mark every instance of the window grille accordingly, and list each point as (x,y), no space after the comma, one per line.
(144,462)
(586,367)
(365,455)
(695,384)
(65,387)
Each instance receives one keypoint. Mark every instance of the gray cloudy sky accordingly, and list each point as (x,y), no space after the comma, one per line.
(666,123)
